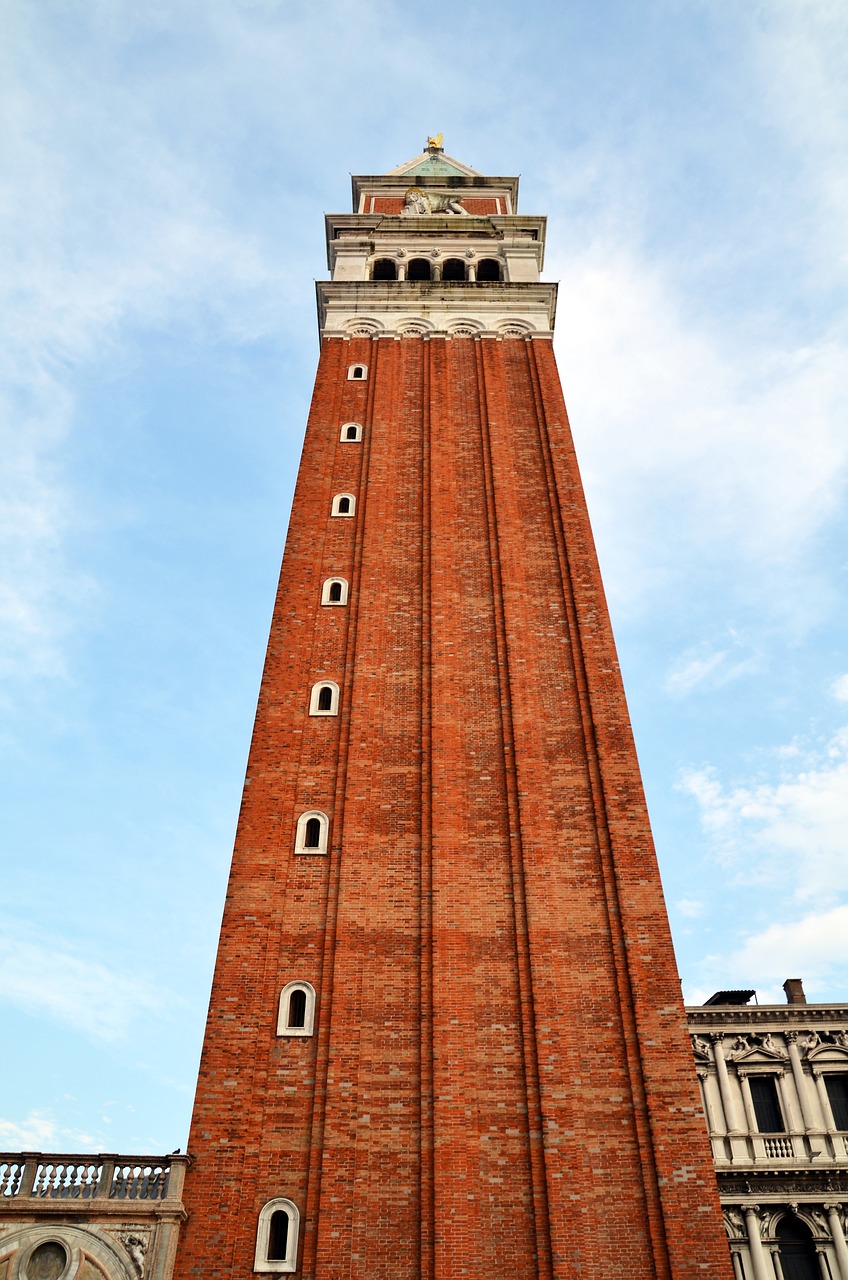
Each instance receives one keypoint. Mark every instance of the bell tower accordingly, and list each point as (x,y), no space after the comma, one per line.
(445,1038)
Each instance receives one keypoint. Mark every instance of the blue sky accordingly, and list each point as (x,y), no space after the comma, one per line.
(165,174)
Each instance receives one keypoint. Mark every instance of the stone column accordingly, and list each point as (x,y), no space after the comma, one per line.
(738,1269)
(748,1102)
(824,1265)
(811,1123)
(728,1102)
(836,1231)
(762,1268)
(715,1125)
(774,1250)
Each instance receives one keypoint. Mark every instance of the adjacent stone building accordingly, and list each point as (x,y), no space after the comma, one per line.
(774,1080)
(105,1217)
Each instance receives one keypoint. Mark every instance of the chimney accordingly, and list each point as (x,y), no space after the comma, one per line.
(794,989)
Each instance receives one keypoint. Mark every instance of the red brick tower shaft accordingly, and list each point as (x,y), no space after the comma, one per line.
(494,1077)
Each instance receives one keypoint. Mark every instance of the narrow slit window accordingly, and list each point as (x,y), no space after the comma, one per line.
(312,840)
(357,373)
(297,1009)
(351,431)
(278,1236)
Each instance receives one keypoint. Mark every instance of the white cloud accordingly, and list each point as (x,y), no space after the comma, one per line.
(840,689)
(109,226)
(802,52)
(38,1131)
(717,448)
(691,908)
(704,666)
(793,829)
(52,980)
(814,948)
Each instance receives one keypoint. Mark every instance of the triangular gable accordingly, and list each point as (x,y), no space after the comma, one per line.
(760,1054)
(434,164)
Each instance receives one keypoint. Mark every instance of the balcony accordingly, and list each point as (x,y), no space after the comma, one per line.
(28,1179)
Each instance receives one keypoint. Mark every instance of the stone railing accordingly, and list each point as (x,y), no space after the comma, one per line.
(38,1176)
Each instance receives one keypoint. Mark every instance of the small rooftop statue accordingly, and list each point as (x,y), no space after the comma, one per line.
(437,143)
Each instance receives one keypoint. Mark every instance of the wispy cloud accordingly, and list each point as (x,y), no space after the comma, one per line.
(707,667)
(814,948)
(794,826)
(53,980)
(39,1131)
(694,440)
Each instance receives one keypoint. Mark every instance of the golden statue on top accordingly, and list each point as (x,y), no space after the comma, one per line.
(437,143)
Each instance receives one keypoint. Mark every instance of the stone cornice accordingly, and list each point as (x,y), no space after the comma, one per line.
(349,308)
(777,1016)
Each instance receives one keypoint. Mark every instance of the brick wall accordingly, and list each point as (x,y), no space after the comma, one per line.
(500,1080)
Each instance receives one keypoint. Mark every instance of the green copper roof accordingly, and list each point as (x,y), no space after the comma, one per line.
(434,166)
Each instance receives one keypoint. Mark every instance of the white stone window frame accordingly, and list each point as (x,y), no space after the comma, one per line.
(300,845)
(349,439)
(327,587)
(343,515)
(283,1028)
(315,696)
(357,373)
(261,1261)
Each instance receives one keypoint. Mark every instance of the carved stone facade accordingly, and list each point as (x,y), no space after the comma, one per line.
(456,231)
(774,1083)
(65,1217)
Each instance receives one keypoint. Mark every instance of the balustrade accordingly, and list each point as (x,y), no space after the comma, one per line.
(61,1177)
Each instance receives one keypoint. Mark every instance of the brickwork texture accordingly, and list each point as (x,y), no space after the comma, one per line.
(499,1082)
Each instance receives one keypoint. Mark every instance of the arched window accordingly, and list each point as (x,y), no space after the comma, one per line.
(454,269)
(352,431)
(796,1250)
(419,269)
(276,1237)
(324,699)
(334,591)
(357,373)
(488,270)
(312,831)
(384,269)
(296,1014)
(344,504)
